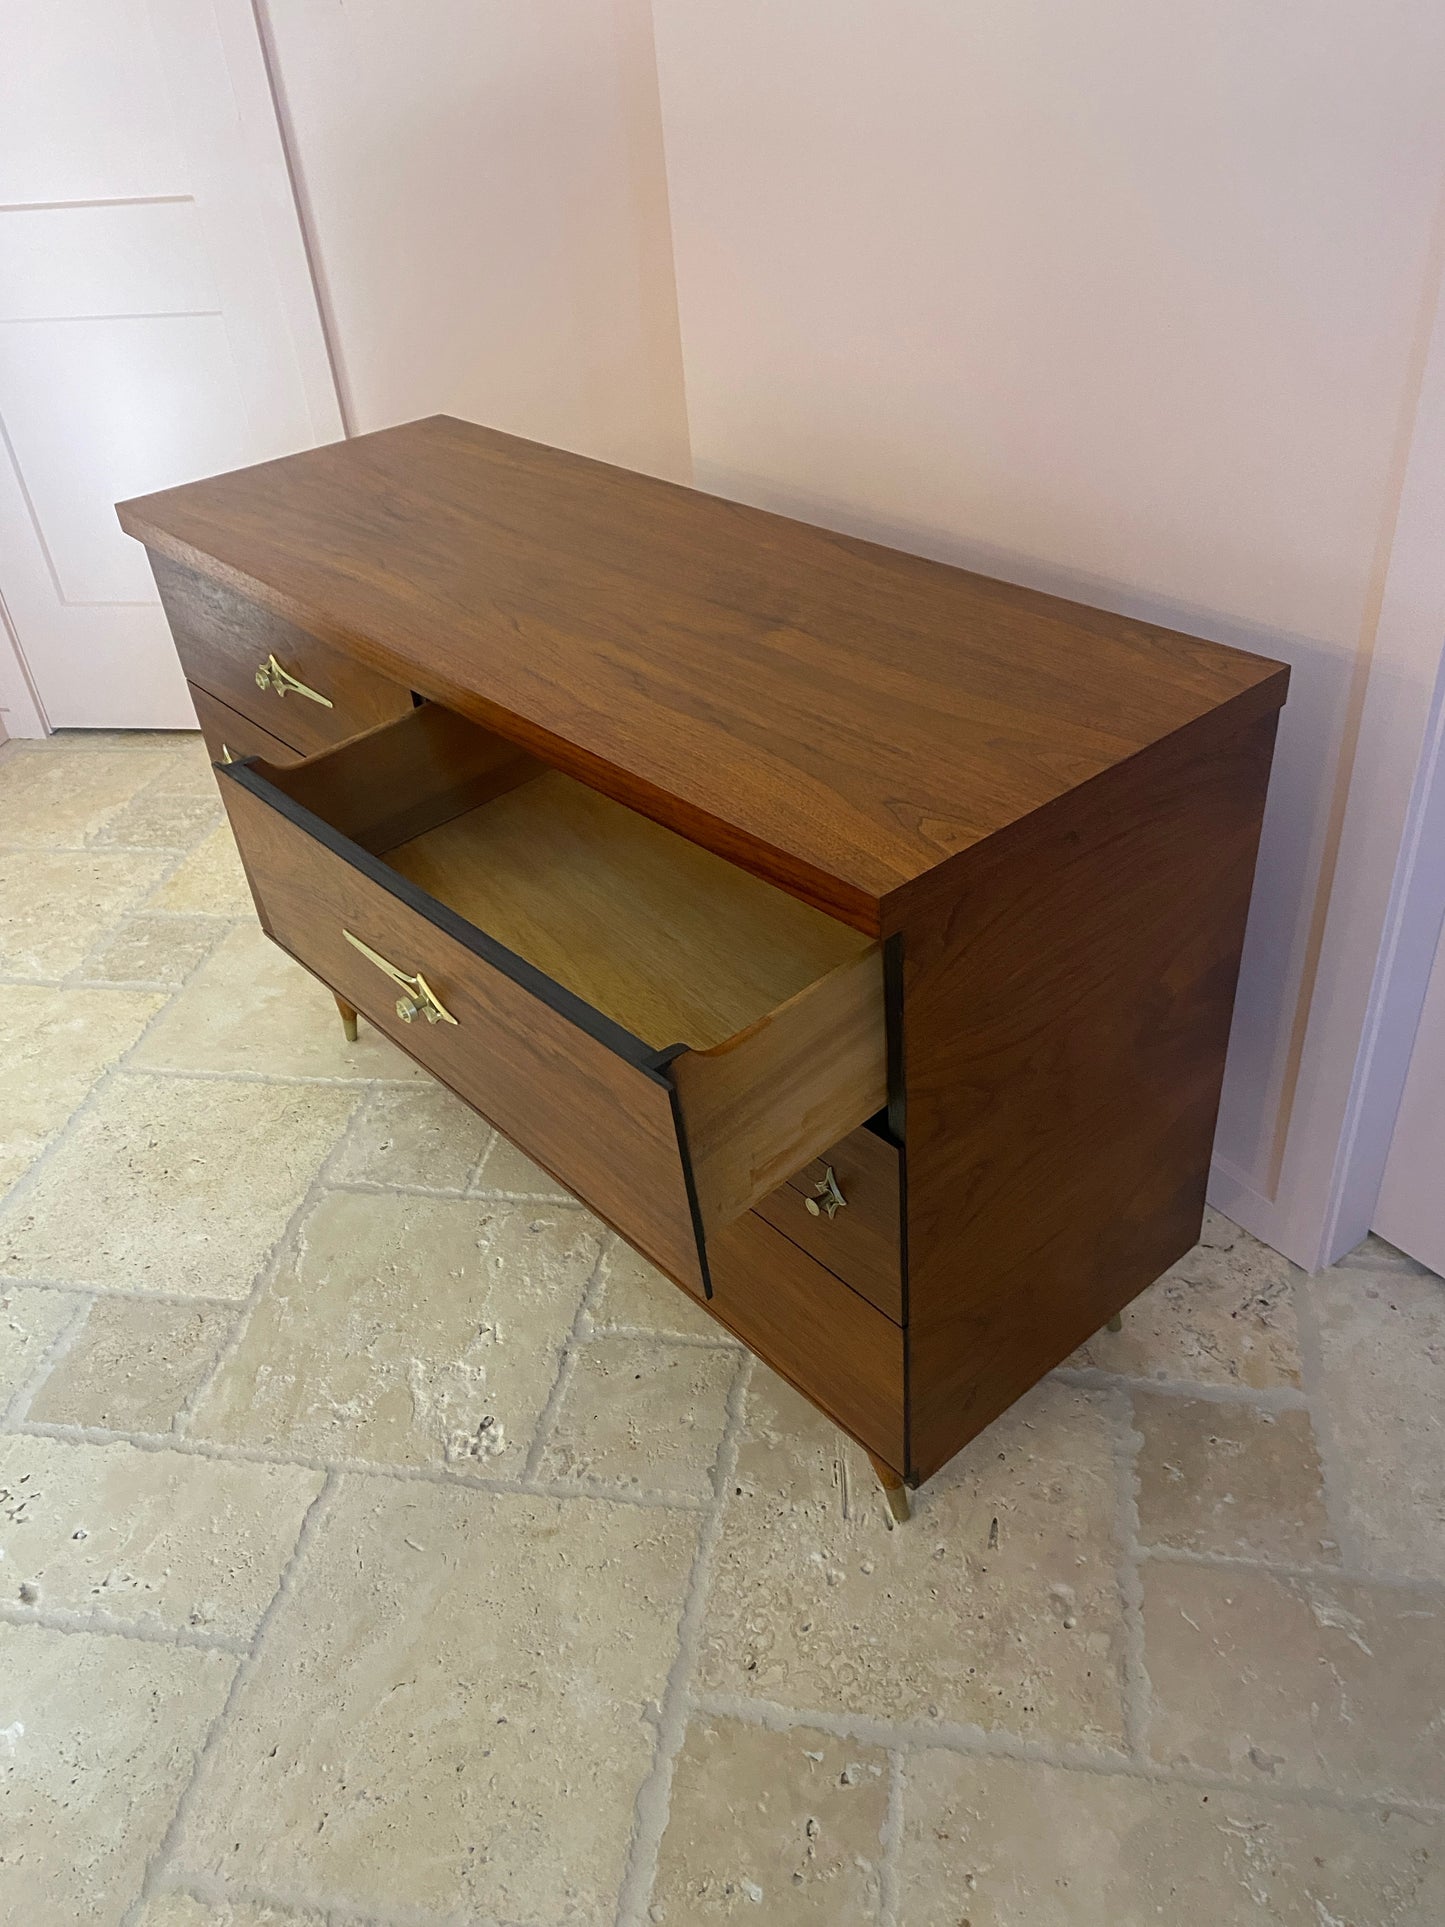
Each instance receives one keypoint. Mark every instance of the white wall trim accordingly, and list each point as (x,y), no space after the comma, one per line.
(21,710)
(1350,1068)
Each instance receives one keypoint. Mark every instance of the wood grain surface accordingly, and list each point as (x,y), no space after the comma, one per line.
(669,940)
(1065,1023)
(822,1337)
(229,735)
(222,638)
(861,1243)
(833,715)
(602,1125)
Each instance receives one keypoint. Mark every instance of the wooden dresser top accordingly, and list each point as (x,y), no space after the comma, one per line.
(834,715)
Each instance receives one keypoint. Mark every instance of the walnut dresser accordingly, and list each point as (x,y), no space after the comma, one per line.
(855,935)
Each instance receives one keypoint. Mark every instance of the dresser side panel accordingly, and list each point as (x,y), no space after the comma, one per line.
(1066,1016)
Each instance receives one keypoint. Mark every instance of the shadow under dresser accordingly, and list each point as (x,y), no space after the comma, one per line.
(856,936)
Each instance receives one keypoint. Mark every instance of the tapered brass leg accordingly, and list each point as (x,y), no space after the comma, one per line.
(894,1490)
(1116,1323)
(348,1018)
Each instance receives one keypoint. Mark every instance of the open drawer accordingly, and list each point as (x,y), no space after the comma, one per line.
(671,1037)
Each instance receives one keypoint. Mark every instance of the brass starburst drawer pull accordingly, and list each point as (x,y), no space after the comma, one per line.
(419,1000)
(270,675)
(828,1200)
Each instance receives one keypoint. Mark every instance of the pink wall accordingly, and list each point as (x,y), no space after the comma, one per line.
(1124,301)
(484,193)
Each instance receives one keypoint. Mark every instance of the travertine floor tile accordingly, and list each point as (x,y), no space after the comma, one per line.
(147,949)
(450,1708)
(997,1843)
(634,1295)
(408,1331)
(1231,1479)
(1297,1682)
(180,1910)
(54,1044)
(639,1415)
(252,1008)
(50,801)
(132,1365)
(1222,1316)
(98,1737)
(30,1323)
(211,881)
(173,1184)
(785,1828)
(1382,1343)
(174,812)
(157,1540)
(417,1134)
(55,903)
(1374,1253)
(815,1604)
(511,1173)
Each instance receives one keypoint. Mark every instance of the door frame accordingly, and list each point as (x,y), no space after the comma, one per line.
(220,44)
(1385,898)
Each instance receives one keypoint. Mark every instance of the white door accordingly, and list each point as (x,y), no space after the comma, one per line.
(157,323)
(1411,1207)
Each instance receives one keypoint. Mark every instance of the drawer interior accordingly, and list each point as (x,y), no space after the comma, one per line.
(668,940)
(778,1008)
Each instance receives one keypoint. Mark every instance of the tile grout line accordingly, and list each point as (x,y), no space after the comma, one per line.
(19,1406)
(1265,1398)
(1311,1348)
(890,1862)
(226,1454)
(566,1366)
(654,1796)
(215,1890)
(161,879)
(28,1178)
(99,1621)
(1135,1672)
(997,1743)
(175,1828)
(1289,1569)
(290,1241)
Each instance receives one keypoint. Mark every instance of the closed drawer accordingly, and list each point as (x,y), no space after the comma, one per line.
(309,696)
(667,1035)
(835,1347)
(858,1239)
(229,735)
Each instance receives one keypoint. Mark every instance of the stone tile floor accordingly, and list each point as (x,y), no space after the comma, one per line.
(382,1541)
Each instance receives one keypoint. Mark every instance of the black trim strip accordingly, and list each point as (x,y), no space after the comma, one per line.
(684,1152)
(642,1057)
(898,1131)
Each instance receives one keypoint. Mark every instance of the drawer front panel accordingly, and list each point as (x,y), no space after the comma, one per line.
(223,641)
(861,1241)
(604,1126)
(229,735)
(834,1346)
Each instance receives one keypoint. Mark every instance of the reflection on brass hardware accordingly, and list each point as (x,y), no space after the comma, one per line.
(832,1199)
(420,999)
(270,675)
(226,756)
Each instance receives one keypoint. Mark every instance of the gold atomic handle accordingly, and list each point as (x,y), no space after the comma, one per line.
(270,675)
(420,999)
(828,1200)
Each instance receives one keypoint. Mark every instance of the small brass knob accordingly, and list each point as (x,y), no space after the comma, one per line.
(408,1009)
(264,677)
(828,1200)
